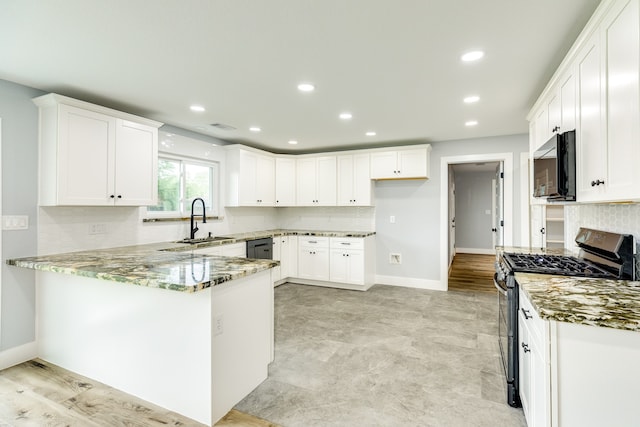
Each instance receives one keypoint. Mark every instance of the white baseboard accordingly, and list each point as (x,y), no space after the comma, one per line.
(410,282)
(476,251)
(15,356)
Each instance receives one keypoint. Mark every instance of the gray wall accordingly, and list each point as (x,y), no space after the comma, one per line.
(19,197)
(416,205)
(473,200)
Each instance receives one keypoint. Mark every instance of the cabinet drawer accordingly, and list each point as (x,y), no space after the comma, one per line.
(313,241)
(531,318)
(347,243)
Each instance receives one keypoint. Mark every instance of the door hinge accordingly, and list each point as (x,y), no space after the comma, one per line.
(501,174)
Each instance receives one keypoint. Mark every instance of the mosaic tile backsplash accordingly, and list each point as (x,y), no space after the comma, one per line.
(616,218)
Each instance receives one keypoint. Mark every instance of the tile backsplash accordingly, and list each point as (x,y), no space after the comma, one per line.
(618,218)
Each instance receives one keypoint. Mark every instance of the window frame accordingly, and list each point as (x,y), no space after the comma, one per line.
(183,203)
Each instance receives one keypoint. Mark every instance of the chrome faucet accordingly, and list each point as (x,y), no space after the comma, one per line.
(204,217)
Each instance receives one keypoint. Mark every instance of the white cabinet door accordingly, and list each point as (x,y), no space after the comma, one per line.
(86,158)
(136,164)
(293,256)
(401,164)
(621,36)
(285,181)
(306,182)
(347,266)
(354,182)
(247,177)
(524,368)
(591,148)
(555,115)
(92,156)
(266,181)
(256,179)
(238,250)
(384,165)
(326,181)
(568,100)
(313,263)
(276,272)
(538,231)
(413,163)
(316,181)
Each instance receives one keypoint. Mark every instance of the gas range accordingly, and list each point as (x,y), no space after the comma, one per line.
(602,255)
(555,264)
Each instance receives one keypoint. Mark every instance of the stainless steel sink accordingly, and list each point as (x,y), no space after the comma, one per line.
(203,240)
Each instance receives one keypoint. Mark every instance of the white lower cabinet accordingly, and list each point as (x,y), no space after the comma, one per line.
(533,363)
(347,261)
(576,375)
(313,258)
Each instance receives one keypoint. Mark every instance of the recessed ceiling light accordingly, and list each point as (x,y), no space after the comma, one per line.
(471,123)
(293,142)
(471,99)
(255,129)
(472,56)
(370,133)
(197,108)
(346,116)
(306,87)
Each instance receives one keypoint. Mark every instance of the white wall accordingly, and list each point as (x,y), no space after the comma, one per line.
(416,205)
(19,189)
(473,200)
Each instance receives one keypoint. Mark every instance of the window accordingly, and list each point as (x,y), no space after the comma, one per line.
(182,180)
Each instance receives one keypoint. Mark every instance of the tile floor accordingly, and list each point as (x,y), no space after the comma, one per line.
(390,356)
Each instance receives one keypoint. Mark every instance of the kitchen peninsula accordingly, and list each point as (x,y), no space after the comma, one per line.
(189,332)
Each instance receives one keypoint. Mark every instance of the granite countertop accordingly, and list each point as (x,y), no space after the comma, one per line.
(168,265)
(606,303)
(586,301)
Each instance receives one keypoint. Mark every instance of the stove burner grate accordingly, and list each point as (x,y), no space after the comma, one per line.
(555,264)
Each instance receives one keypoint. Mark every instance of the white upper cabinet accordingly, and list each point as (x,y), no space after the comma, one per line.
(250,178)
(354,181)
(95,156)
(316,181)
(285,181)
(591,149)
(407,163)
(621,34)
(599,92)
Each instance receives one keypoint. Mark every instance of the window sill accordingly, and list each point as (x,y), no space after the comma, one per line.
(179,218)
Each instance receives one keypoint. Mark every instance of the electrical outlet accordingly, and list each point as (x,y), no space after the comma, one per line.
(15,222)
(218,325)
(97,228)
(392,219)
(395,258)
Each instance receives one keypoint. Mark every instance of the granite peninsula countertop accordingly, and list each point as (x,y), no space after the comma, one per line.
(168,265)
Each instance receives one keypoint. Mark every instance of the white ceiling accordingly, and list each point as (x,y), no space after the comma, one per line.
(395,65)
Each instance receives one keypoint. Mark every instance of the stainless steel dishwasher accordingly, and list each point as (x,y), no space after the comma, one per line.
(260,248)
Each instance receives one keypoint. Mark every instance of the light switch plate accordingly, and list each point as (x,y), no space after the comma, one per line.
(15,222)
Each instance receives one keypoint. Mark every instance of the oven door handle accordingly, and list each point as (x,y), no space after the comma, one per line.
(499,287)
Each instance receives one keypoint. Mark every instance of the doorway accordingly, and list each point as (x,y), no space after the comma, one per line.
(503,196)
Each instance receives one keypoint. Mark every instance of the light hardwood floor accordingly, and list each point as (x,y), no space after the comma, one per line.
(472,272)
(37,393)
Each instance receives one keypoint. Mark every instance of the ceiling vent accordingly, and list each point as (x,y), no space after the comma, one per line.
(222,126)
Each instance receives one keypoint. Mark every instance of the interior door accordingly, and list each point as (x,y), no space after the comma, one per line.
(498,206)
(452,215)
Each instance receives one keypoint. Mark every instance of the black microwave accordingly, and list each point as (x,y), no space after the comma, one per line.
(554,168)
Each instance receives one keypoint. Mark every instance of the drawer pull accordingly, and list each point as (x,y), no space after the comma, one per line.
(527,313)
(526,348)
(345,243)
